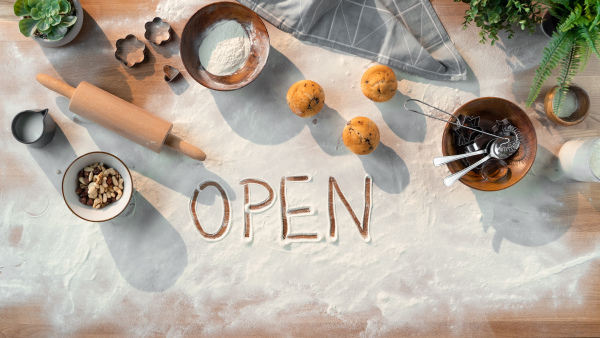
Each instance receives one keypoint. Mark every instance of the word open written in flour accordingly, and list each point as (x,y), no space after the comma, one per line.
(287,212)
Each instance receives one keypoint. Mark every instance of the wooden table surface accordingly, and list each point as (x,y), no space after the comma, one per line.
(537,319)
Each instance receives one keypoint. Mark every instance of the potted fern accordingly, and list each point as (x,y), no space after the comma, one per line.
(52,23)
(576,37)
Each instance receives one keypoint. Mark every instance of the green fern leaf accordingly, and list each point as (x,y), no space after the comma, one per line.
(556,50)
(592,38)
(571,20)
(597,19)
(588,9)
(570,65)
(586,54)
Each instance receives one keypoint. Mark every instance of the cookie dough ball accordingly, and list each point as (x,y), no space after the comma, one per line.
(379,83)
(361,135)
(305,98)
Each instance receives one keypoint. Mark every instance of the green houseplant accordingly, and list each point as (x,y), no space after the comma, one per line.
(576,37)
(493,16)
(48,19)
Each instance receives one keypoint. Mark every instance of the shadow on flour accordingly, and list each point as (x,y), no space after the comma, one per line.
(260,112)
(388,170)
(56,155)
(523,54)
(409,126)
(326,128)
(169,168)
(471,85)
(148,252)
(533,212)
(73,61)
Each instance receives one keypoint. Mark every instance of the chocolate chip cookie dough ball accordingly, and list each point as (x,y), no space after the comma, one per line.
(305,98)
(379,83)
(361,135)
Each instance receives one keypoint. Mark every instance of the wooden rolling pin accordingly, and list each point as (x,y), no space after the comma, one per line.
(121,117)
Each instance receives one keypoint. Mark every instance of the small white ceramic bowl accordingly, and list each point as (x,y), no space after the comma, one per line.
(70,183)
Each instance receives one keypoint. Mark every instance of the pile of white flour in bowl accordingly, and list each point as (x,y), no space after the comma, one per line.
(225,48)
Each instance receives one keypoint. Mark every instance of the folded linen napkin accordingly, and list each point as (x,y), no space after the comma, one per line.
(403,34)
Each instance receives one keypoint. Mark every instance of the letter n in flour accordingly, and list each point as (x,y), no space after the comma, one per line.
(362,229)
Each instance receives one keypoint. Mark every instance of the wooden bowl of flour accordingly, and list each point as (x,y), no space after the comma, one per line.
(217,25)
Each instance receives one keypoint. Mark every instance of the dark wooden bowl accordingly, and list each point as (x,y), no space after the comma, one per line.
(490,110)
(579,115)
(198,26)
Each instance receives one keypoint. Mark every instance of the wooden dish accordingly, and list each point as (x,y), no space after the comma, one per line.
(490,110)
(200,24)
(583,109)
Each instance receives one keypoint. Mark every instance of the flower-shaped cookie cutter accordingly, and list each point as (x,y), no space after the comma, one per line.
(130,51)
(171,73)
(158,31)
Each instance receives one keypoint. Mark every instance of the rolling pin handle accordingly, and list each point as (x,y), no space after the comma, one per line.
(185,148)
(56,85)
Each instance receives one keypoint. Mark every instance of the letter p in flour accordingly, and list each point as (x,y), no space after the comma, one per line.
(254,208)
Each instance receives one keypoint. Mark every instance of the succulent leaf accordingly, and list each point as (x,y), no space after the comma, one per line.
(54,6)
(43,26)
(35,14)
(48,17)
(68,21)
(26,26)
(59,31)
(33,3)
(20,9)
(65,7)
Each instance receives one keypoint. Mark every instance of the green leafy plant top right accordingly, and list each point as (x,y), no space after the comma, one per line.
(576,37)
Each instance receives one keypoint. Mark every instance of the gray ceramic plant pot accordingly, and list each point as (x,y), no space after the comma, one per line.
(71,34)
(549,24)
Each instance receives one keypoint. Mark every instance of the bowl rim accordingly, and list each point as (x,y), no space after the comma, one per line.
(69,167)
(445,134)
(549,108)
(218,3)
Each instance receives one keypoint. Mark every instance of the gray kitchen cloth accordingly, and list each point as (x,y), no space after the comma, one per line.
(403,34)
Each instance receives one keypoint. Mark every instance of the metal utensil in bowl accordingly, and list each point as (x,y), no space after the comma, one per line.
(441,160)
(499,149)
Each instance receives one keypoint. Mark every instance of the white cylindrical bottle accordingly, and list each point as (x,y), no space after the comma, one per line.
(580,159)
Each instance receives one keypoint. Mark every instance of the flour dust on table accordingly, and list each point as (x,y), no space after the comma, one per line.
(389,244)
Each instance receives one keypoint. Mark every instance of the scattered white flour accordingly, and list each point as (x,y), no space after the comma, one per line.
(225,48)
(438,261)
(595,159)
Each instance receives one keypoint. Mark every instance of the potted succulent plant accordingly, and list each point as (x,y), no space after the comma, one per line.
(493,16)
(576,37)
(52,23)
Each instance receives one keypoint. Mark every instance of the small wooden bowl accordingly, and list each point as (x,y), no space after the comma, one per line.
(583,109)
(200,24)
(490,110)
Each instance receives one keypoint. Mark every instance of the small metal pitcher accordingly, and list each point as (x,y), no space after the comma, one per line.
(23,118)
